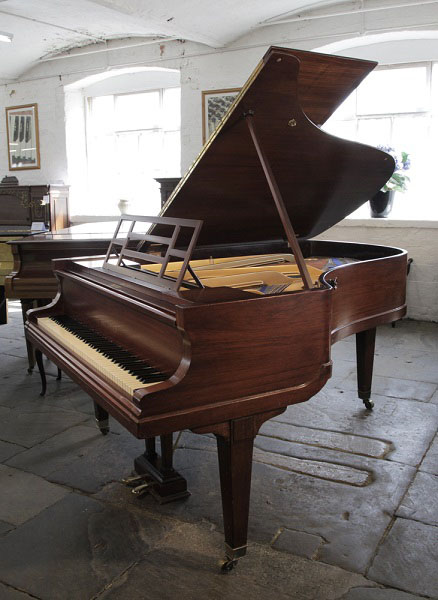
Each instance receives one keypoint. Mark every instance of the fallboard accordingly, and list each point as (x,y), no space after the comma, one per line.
(132,325)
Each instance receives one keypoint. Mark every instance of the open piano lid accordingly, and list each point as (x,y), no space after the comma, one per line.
(321,178)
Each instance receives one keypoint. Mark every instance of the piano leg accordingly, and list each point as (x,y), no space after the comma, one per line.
(102,418)
(3,306)
(27,304)
(163,482)
(39,361)
(365,343)
(235,442)
(235,465)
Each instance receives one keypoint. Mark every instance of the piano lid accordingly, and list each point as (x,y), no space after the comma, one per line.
(321,178)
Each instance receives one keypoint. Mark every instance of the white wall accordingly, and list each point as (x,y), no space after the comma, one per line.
(48,93)
(402,35)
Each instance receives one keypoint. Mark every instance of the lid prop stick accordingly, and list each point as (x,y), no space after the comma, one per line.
(275,191)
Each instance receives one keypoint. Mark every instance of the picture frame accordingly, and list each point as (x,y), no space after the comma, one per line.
(215,104)
(23,137)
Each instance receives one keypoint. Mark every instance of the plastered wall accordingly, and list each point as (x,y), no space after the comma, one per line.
(49,95)
(419,238)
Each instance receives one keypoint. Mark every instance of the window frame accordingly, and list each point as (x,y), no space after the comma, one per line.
(429,114)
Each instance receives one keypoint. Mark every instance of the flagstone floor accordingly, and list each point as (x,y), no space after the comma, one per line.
(343,506)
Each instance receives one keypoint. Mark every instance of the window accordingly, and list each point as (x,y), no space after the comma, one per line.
(131,139)
(398,107)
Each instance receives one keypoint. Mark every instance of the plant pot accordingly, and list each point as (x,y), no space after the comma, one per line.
(381,204)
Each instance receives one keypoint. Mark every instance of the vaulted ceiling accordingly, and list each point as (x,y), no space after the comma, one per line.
(45,27)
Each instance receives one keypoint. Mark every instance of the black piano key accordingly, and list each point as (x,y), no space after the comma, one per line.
(119,356)
(135,363)
(145,373)
(150,379)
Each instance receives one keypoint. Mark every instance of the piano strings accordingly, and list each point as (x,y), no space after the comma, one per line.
(264,274)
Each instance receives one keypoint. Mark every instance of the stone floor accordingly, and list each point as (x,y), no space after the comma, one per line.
(344,502)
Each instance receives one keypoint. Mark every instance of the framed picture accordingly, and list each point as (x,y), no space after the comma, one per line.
(23,138)
(215,104)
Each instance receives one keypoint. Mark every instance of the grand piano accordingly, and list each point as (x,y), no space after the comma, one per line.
(25,210)
(219,313)
(30,277)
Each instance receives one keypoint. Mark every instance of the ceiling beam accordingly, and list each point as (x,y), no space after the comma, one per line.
(353,11)
(39,21)
(70,54)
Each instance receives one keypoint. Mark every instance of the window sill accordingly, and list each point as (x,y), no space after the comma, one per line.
(348,222)
(394,223)
(83,219)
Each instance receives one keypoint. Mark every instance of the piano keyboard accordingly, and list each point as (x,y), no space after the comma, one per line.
(112,362)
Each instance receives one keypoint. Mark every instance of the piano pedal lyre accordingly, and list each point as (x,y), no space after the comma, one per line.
(165,484)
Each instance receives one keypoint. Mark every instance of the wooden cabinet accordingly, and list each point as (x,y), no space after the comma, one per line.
(22,205)
(167,185)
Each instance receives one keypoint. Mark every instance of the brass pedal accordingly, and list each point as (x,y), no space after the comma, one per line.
(134,479)
(143,489)
(140,484)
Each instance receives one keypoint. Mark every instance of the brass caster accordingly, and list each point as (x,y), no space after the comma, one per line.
(228,565)
(369,404)
(103,426)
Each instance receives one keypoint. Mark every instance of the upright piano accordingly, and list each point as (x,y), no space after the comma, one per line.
(219,313)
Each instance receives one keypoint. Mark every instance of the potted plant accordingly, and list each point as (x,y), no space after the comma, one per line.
(381,203)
